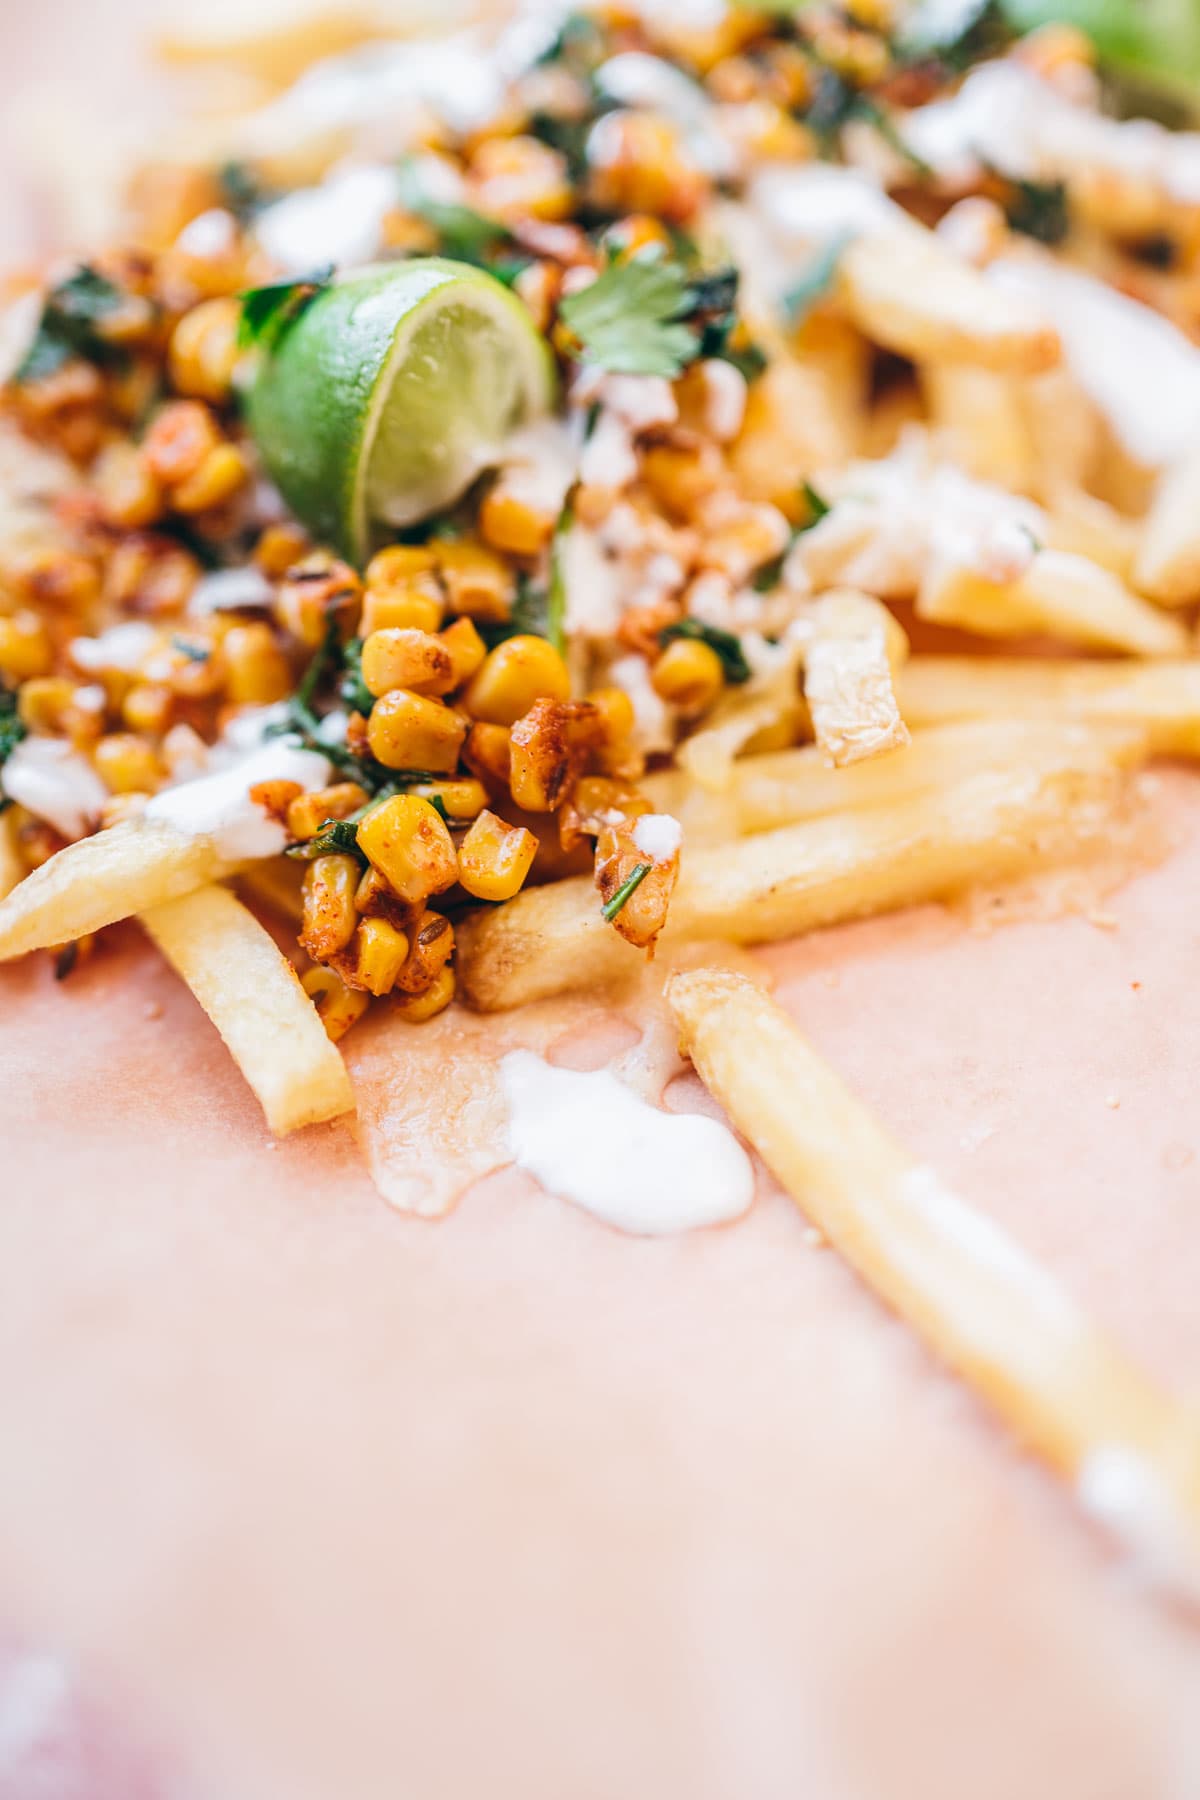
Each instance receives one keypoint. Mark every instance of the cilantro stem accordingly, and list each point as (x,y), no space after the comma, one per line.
(612,907)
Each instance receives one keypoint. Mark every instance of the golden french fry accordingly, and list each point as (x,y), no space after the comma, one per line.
(275,884)
(135,864)
(904,289)
(1059,595)
(1163,697)
(803,413)
(1168,558)
(785,786)
(1065,430)
(12,869)
(756,890)
(979,418)
(974,1295)
(1085,526)
(253,996)
(848,677)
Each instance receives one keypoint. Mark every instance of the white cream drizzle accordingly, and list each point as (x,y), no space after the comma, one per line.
(340,221)
(658,836)
(230,590)
(218,805)
(1119,1490)
(56,783)
(590,1140)
(122,648)
(1138,368)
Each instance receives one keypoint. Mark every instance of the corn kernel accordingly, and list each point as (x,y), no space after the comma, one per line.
(508,522)
(147,707)
(127,764)
(409,731)
(330,918)
(488,754)
(119,807)
(400,564)
(520,177)
(280,548)
(466,649)
(416,1008)
(314,591)
(223,471)
(616,713)
(339,1006)
(24,646)
(376,898)
(416,607)
(406,659)
(478,583)
(308,812)
(204,350)
(406,839)
(43,702)
(129,492)
(639,164)
(464,798)
(681,477)
(494,858)
(432,948)
(380,952)
(258,671)
(517,672)
(179,440)
(637,231)
(688,675)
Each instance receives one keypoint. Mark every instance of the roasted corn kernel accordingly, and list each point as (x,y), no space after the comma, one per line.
(509,521)
(400,564)
(24,646)
(204,350)
(688,675)
(466,650)
(406,839)
(487,752)
(409,731)
(220,475)
(477,581)
(308,812)
(330,918)
(180,438)
(380,952)
(280,548)
(314,591)
(516,673)
(416,1008)
(257,671)
(432,948)
(417,606)
(127,764)
(147,707)
(339,1006)
(463,796)
(129,492)
(494,858)
(376,898)
(398,658)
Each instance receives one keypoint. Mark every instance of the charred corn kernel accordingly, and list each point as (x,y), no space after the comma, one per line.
(150,576)
(339,1006)
(308,812)
(380,952)
(129,492)
(280,547)
(464,798)
(204,350)
(403,608)
(397,658)
(410,731)
(432,948)
(119,807)
(258,672)
(494,858)
(487,752)
(477,582)
(509,522)
(399,564)
(43,702)
(44,575)
(538,285)
(520,177)
(37,842)
(314,591)
(179,440)
(516,673)
(127,764)
(407,840)
(416,1008)
(275,796)
(682,476)
(638,231)
(688,675)
(24,646)
(376,898)
(466,650)
(147,707)
(329,914)
(639,164)
(616,713)
(220,475)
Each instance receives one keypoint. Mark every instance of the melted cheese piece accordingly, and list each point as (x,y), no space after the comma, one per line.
(590,1140)
(1138,368)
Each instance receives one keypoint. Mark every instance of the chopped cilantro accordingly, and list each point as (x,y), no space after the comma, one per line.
(466,235)
(817,507)
(197,653)
(771,573)
(70,314)
(353,691)
(630,319)
(816,281)
(612,907)
(268,311)
(242,193)
(579,43)
(337,837)
(749,359)
(727,646)
(1039,210)
(12,730)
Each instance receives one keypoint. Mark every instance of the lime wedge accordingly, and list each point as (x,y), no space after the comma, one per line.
(393,390)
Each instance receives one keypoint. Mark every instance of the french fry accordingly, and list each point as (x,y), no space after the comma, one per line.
(980,421)
(848,677)
(1163,697)
(905,290)
(1059,595)
(100,879)
(276,885)
(1065,429)
(1168,559)
(979,1301)
(989,828)
(12,869)
(252,995)
(785,786)
(1083,525)
(803,413)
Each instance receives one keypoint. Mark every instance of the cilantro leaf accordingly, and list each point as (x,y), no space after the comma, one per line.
(67,328)
(612,907)
(629,320)
(242,193)
(12,730)
(1039,210)
(337,837)
(464,234)
(727,646)
(268,311)
(353,691)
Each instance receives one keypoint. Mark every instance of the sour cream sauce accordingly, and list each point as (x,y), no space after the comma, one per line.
(218,805)
(589,1139)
